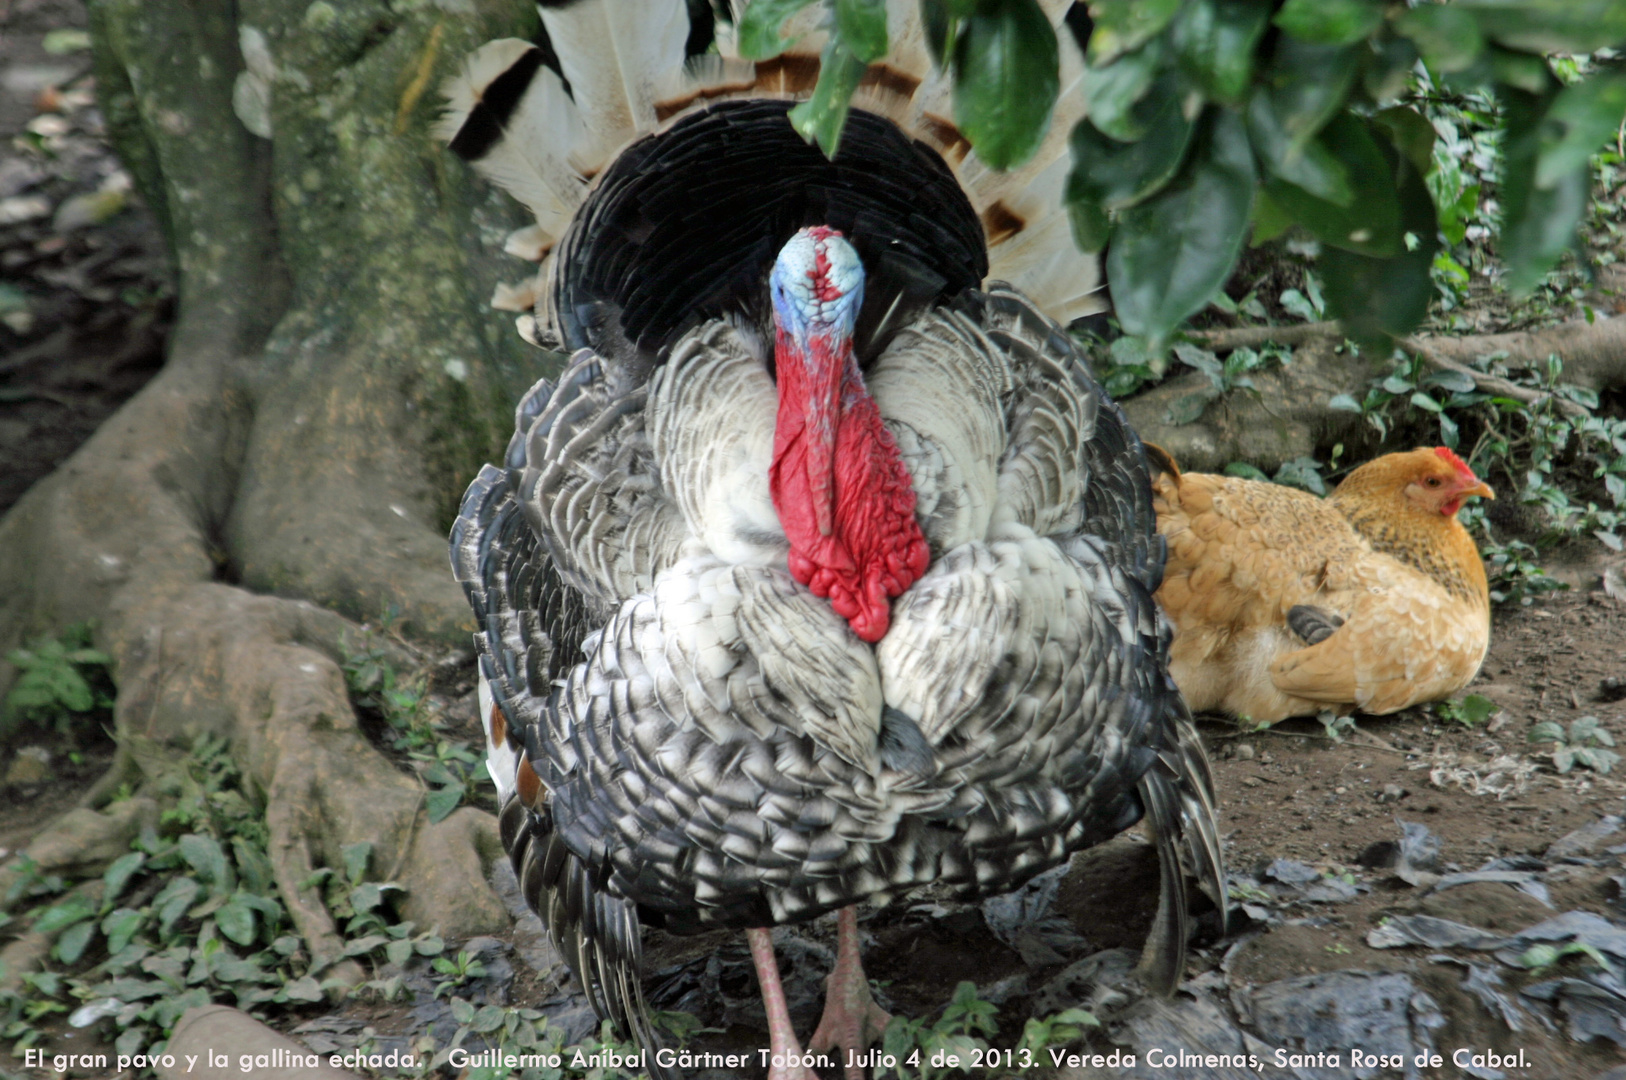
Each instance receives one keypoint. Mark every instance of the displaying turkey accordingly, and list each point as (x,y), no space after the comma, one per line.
(824,570)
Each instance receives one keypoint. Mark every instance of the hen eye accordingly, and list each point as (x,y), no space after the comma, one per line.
(1433,481)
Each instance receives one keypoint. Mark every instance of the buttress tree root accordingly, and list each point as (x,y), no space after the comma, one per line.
(1286,415)
(333,376)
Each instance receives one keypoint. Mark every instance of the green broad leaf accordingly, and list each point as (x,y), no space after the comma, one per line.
(1521,70)
(60,916)
(1411,133)
(1246,472)
(172,902)
(235,920)
(1330,22)
(1580,120)
(431,945)
(363,945)
(1112,91)
(63,42)
(1302,473)
(118,874)
(1424,402)
(1215,40)
(398,952)
(1370,222)
(489,1018)
(1548,26)
(1187,408)
(366,897)
(1343,403)
(1388,73)
(1089,220)
(120,926)
(1309,165)
(70,688)
(759,27)
(1538,223)
(1171,253)
(73,942)
(442,801)
(305,988)
(1006,79)
(1564,759)
(1477,708)
(356,857)
(462,1010)
(1446,34)
(1309,84)
(253,866)
(1546,731)
(1122,25)
(862,26)
(203,853)
(1269,219)
(1115,175)
(821,117)
(1381,298)
(1455,381)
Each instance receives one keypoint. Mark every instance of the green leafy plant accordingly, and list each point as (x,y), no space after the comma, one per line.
(446,766)
(1543,957)
(1470,711)
(59,681)
(465,968)
(1587,743)
(957,1040)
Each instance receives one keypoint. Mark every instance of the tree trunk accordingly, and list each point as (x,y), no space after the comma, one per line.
(334,378)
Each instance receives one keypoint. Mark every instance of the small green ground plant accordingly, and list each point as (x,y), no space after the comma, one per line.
(1587,744)
(61,684)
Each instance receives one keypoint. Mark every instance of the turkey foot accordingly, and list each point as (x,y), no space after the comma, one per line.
(852,1020)
(783,1049)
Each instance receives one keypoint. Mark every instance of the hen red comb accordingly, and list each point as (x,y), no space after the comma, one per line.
(1451,459)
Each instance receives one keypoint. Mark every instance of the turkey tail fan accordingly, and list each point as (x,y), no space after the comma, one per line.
(598,936)
(544,121)
(1178,793)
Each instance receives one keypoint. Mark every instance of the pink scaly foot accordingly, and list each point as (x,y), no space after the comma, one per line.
(852,1021)
(783,1049)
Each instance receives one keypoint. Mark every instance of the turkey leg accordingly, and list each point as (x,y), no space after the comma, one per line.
(852,1020)
(783,1047)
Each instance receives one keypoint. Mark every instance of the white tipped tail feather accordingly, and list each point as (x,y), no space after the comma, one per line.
(544,138)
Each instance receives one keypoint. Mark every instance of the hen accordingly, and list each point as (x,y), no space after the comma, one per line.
(1285,604)
(824,571)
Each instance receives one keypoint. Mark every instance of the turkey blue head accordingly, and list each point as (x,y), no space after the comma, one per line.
(839,486)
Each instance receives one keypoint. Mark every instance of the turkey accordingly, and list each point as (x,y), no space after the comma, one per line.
(824,570)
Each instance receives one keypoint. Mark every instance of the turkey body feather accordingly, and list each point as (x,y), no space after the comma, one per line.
(683,732)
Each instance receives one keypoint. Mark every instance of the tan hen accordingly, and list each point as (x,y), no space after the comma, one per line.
(1285,604)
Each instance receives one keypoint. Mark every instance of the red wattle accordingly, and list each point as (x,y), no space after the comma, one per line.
(875,549)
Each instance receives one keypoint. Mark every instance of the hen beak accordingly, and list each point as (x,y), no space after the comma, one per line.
(1482,489)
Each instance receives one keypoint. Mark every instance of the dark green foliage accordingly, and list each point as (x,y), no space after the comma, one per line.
(1005,79)
(1171,253)
(1337,156)
(60,682)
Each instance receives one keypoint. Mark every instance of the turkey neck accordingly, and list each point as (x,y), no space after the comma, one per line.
(838,483)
